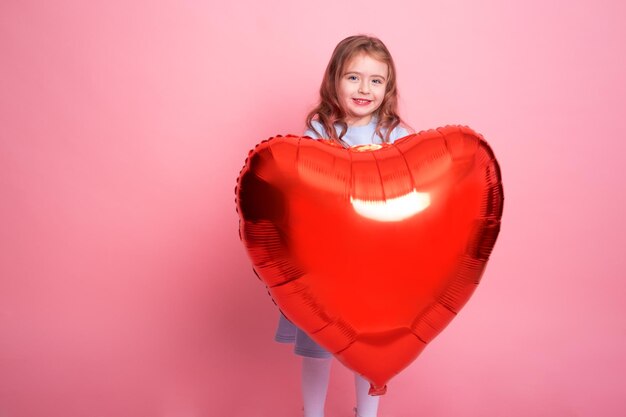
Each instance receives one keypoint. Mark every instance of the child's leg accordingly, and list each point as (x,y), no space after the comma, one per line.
(315,375)
(366,405)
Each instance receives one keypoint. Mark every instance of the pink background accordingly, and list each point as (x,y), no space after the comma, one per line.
(124,289)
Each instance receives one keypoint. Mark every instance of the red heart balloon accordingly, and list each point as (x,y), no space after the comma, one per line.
(371,250)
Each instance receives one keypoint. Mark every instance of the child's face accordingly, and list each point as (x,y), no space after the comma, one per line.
(362,88)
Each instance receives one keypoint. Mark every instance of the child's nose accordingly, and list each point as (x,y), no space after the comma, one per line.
(364,87)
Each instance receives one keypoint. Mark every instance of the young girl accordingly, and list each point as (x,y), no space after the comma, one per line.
(358,106)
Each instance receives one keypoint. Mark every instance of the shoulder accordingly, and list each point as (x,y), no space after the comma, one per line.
(321,132)
(397,133)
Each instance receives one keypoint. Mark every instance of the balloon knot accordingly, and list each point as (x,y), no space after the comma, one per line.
(374,390)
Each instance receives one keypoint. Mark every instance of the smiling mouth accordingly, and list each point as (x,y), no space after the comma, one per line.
(361,101)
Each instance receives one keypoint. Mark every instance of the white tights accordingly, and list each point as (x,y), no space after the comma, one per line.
(315,376)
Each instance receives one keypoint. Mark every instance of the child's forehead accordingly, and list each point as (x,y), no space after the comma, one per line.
(364,59)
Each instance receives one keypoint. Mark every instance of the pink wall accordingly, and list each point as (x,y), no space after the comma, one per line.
(124,290)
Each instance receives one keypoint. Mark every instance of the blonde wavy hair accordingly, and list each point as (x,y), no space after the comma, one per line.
(329,111)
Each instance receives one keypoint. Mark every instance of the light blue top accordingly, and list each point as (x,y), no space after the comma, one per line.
(358,135)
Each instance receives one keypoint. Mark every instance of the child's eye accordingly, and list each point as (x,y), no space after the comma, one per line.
(352,77)
(377,81)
